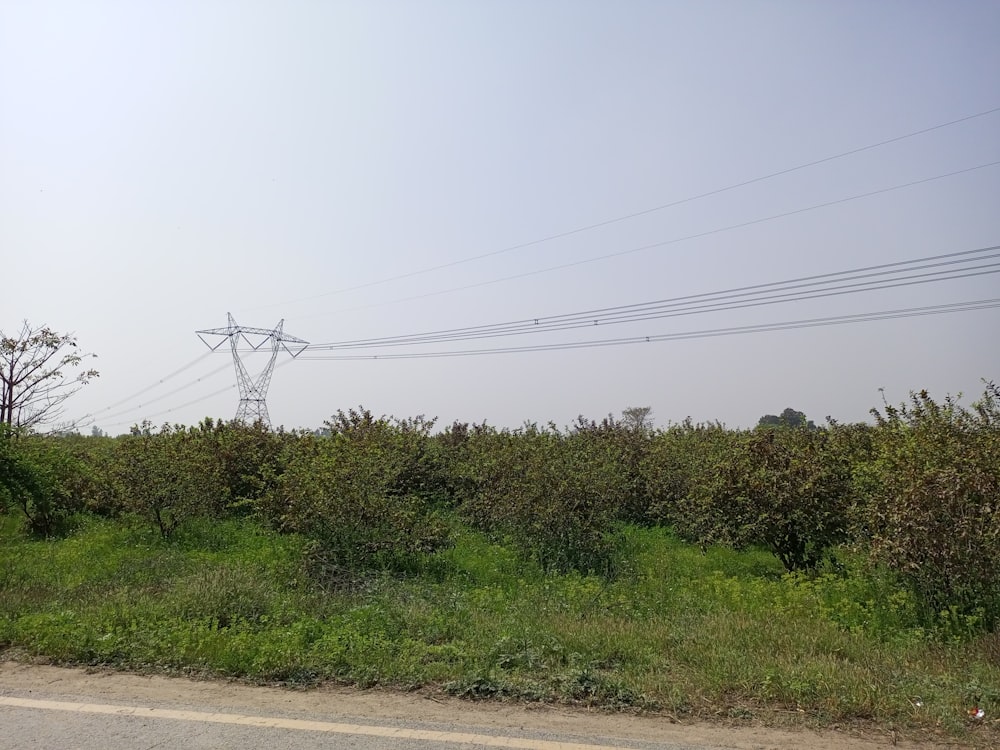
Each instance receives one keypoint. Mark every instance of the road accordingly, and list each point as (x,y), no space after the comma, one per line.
(46,707)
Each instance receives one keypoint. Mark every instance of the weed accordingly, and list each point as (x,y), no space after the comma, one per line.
(682,631)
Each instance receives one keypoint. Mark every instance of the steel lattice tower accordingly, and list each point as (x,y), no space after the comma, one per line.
(253,390)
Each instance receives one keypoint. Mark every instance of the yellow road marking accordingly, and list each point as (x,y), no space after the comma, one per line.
(462,738)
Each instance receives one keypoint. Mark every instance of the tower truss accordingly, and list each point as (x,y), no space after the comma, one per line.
(253,389)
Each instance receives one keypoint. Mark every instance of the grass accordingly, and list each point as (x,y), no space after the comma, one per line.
(718,635)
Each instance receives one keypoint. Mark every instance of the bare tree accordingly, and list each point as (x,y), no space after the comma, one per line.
(33,375)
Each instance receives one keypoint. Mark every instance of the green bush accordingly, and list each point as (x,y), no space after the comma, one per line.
(627,442)
(246,458)
(679,458)
(452,449)
(94,484)
(554,497)
(418,467)
(784,489)
(364,495)
(166,477)
(933,502)
(37,477)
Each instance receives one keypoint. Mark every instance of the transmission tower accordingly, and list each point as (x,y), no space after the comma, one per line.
(253,390)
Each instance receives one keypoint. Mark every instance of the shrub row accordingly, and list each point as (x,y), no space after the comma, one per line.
(917,490)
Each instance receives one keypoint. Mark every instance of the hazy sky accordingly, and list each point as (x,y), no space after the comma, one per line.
(164,163)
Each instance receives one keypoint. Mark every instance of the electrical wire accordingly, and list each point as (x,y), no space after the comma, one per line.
(195,401)
(653,313)
(952,265)
(912,312)
(690,310)
(868,317)
(686,335)
(643,212)
(795,289)
(175,408)
(139,407)
(663,243)
(695,310)
(148,388)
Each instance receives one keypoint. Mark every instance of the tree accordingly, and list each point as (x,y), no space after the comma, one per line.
(33,377)
(638,418)
(788,418)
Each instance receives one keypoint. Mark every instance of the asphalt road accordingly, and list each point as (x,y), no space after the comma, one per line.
(50,720)
(51,707)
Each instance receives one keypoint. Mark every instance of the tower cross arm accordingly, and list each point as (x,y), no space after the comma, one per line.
(298,345)
(231,330)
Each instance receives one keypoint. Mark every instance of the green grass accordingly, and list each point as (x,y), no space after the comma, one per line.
(722,634)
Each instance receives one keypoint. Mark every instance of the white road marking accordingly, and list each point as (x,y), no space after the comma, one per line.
(461,738)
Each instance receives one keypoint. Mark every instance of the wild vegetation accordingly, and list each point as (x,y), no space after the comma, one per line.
(845,573)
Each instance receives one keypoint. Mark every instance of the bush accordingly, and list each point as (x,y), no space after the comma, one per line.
(94,483)
(364,495)
(780,488)
(166,477)
(554,497)
(37,477)
(627,441)
(933,490)
(246,459)
(680,458)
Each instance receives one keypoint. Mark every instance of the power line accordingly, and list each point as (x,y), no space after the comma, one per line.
(139,407)
(952,265)
(795,289)
(148,388)
(665,243)
(700,309)
(693,310)
(912,312)
(168,394)
(652,310)
(180,406)
(667,311)
(706,333)
(643,212)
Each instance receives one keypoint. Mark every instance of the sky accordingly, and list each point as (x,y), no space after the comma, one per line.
(374,169)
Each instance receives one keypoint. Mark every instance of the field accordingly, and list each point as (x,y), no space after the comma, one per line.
(725,635)
(744,577)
